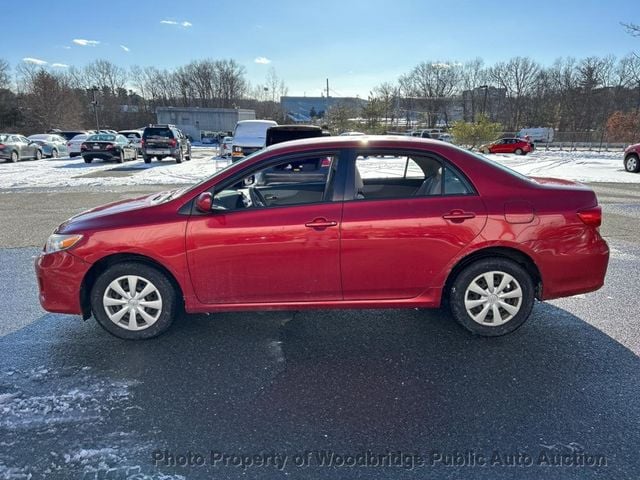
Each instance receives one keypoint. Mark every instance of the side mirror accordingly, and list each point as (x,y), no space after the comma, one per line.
(204,202)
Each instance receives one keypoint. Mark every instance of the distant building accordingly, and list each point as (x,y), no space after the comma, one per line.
(304,109)
(194,121)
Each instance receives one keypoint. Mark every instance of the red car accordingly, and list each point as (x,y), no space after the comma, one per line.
(395,222)
(632,158)
(508,145)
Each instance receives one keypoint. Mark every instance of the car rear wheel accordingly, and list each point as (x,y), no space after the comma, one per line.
(133,301)
(54,153)
(188,155)
(14,157)
(179,156)
(492,297)
(146,158)
(87,159)
(632,164)
(518,151)
(120,158)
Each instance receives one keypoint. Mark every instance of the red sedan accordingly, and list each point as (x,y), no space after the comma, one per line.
(508,145)
(381,222)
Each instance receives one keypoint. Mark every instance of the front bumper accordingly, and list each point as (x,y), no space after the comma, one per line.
(60,277)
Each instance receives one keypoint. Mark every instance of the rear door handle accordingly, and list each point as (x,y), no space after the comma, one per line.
(320,223)
(458,215)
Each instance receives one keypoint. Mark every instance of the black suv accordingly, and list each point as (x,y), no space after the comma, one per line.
(165,141)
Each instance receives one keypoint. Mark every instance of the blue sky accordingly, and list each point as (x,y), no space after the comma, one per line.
(356,44)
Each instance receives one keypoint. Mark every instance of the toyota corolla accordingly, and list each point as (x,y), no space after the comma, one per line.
(348,222)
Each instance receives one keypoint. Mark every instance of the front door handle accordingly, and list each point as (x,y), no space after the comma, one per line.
(457,216)
(320,223)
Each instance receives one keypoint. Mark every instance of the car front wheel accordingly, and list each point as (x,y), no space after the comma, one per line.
(492,297)
(519,151)
(133,301)
(632,164)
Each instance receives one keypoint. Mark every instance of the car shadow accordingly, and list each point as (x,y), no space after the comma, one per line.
(351,382)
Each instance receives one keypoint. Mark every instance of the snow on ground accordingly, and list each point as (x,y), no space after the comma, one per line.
(579,165)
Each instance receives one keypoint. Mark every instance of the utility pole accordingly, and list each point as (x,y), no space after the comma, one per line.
(326,109)
(95,107)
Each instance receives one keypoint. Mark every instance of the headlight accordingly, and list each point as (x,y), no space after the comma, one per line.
(57,243)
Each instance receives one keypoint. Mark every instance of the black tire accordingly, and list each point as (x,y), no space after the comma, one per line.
(188,156)
(470,273)
(632,163)
(179,156)
(146,158)
(15,157)
(486,151)
(87,159)
(167,294)
(518,151)
(54,153)
(38,155)
(120,158)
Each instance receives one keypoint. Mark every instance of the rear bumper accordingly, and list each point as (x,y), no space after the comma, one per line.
(101,155)
(60,278)
(580,271)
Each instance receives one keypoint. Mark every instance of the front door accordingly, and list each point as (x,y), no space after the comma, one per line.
(270,239)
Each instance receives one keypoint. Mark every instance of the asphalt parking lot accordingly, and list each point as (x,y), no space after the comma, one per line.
(322,394)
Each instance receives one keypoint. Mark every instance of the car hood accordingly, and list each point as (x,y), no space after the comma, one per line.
(87,219)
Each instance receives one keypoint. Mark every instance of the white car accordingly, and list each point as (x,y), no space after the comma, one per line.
(225,147)
(134,136)
(249,136)
(73,145)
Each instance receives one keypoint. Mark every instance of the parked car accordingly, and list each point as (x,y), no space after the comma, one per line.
(162,141)
(69,134)
(249,136)
(53,146)
(73,145)
(428,222)
(226,146)
(108,147)
(507,145)
(135,136)
(14,147)
(632,158)
(286,133)
(540,134)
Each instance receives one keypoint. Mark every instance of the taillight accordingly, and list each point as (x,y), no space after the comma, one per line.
(110,146)
(142,142)
(591,216)
(172,142)
(83,146)
(1,146)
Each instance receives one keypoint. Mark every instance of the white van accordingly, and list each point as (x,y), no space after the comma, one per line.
(541,134)
(249,136)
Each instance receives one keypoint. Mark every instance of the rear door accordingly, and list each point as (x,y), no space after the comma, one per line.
(396,240)
(158,140)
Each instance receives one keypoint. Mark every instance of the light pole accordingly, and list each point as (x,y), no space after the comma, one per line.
(94,102)
(484,102)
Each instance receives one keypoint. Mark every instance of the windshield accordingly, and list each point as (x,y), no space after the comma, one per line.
(101,138)
(39,137)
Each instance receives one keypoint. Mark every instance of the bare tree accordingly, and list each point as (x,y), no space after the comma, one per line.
(5,77)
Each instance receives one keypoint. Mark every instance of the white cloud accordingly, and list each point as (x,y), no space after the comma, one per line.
(125,48)
(67,47)
(34,61)
(262,60)
(59,65)
(85,43)
(185,23)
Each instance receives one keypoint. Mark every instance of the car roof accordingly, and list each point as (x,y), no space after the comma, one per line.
(357,141)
